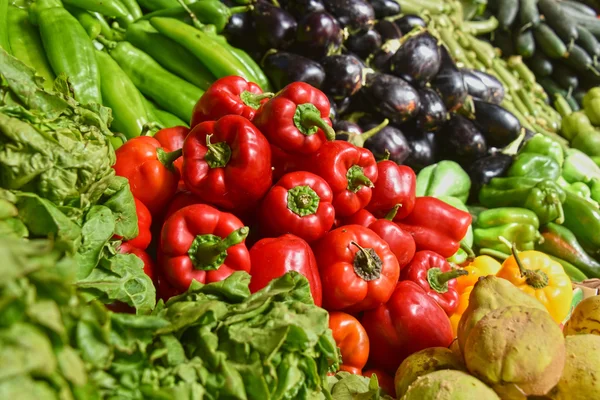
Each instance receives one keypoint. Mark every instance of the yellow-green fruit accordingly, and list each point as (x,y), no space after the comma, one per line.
(516,349)
(422,363)
(449,385)
(581,377)
(491,293)
(585,318)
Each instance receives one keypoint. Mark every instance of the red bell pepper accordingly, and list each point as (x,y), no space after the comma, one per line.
(409,322)
(273,257)
(283,163)
(144,237)
(436,226)
(164,290)
(352,340)
(350,172)
(401,242)
(396,184)
(297,119)
(204,244)
(180,200)
(149,169)
(230,95)
(227,163)
(149,268)
(172,139)
(300,204)
(386,382)
(358,269)
(434,274)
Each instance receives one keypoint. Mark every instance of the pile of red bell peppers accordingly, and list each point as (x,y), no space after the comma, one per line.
(259,183)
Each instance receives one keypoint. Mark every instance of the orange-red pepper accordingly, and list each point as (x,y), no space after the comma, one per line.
(352,340)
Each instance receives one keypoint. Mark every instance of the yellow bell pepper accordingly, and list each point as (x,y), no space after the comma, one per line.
(481,266)
(538,275)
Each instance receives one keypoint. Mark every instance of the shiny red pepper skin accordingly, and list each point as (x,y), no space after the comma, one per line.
(234,171)
(401,242)
(149,267)
(300,204)
(297,119)
(349,282)
(152,177)
(425,270)
(409,322)
(180,200)
(202,243)
(396,184)
(284,163)
(144,237)
(352,340)
(172,139)
(230,95)
(436,226)
(273,257)
(350,171)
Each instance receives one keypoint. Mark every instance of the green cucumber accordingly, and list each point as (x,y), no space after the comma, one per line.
(550,43)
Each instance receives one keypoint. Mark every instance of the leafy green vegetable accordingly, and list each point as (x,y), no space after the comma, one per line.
(347,386)
(97,230)
(119,199)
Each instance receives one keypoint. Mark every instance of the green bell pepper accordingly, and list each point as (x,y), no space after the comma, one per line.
(517,225)
(582,217)
(595,190)
(591,105)
(534,165)
(574,124)
(578,167)
(580,189)
(543,197)
(541,144)
(446,178)
(587,141)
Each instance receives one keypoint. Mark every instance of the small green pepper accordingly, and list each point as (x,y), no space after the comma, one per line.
(578,167)
(545,199)
(587,141)
(518,225)
(541,144)
(575,123)
(591,105)
(534,165)
(446,178)
(580,189)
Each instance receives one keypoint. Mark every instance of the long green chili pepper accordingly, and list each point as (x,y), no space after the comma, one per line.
(70,51)
(258,76)
(169,91)
(134,9)
(165,118)
(217,58)
(4,43)
(155,5)
(109,8)
(90,23)
(119,93)
(106,31)
(26,44)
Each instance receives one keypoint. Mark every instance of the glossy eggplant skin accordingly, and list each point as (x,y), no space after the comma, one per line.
(495,86)
(418,60)
(342,127)
(343,75)
(363,43)
(475,86)
(275,27)
(283,68)
(499,126)
(433,114)
(422,150)
(382,58)
(389,139)
(342,105)
(388,30)
(462,141)
(385,8)
(318,34)
(484,169)
(356,15)
(407,22)
(449,82)
(392,97)
(300,8)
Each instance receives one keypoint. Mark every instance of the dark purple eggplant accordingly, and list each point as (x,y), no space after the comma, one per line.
(344,127)
(385,8)
(449,82)
(484,169)
(499,126)
(495,86)
(300,8)
(382,58)
(475,86)
(342,105)
(408,22)
(356,15)
(283,68)
(418,59)
(389,138)
(343,75)
(333,110)
(275,27)
(364,43)
(388,30)
(392,97)
(422,150)
(318,35)
(433,113)
(462,141)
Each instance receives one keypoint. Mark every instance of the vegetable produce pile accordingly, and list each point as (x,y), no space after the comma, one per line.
(321,199)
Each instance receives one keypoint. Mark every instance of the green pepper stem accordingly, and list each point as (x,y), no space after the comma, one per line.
(438,280)
(359,139)
(303,200)
(218,154)
(468,250)
(386,155)
(167,159)
(357,178)
(392,214)
(494,253)
(448,276)
(209,252)
(253,99)
(367,264)
(534,278)
(240,9)
(307,117)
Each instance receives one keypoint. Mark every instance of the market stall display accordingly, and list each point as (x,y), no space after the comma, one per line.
(321,199)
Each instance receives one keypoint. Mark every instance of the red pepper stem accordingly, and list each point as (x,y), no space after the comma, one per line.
(448,276)
(392,214)
(253,99)
(386,155)
(303,200)
(367,263)
(374,131)
(438,280)
(308,116)
(167,159)
(357,178)
(210,251)
(218,154)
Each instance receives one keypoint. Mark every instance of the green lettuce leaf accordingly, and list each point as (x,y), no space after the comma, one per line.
(119,199)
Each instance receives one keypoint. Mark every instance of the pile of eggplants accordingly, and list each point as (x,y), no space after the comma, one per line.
(375,63)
